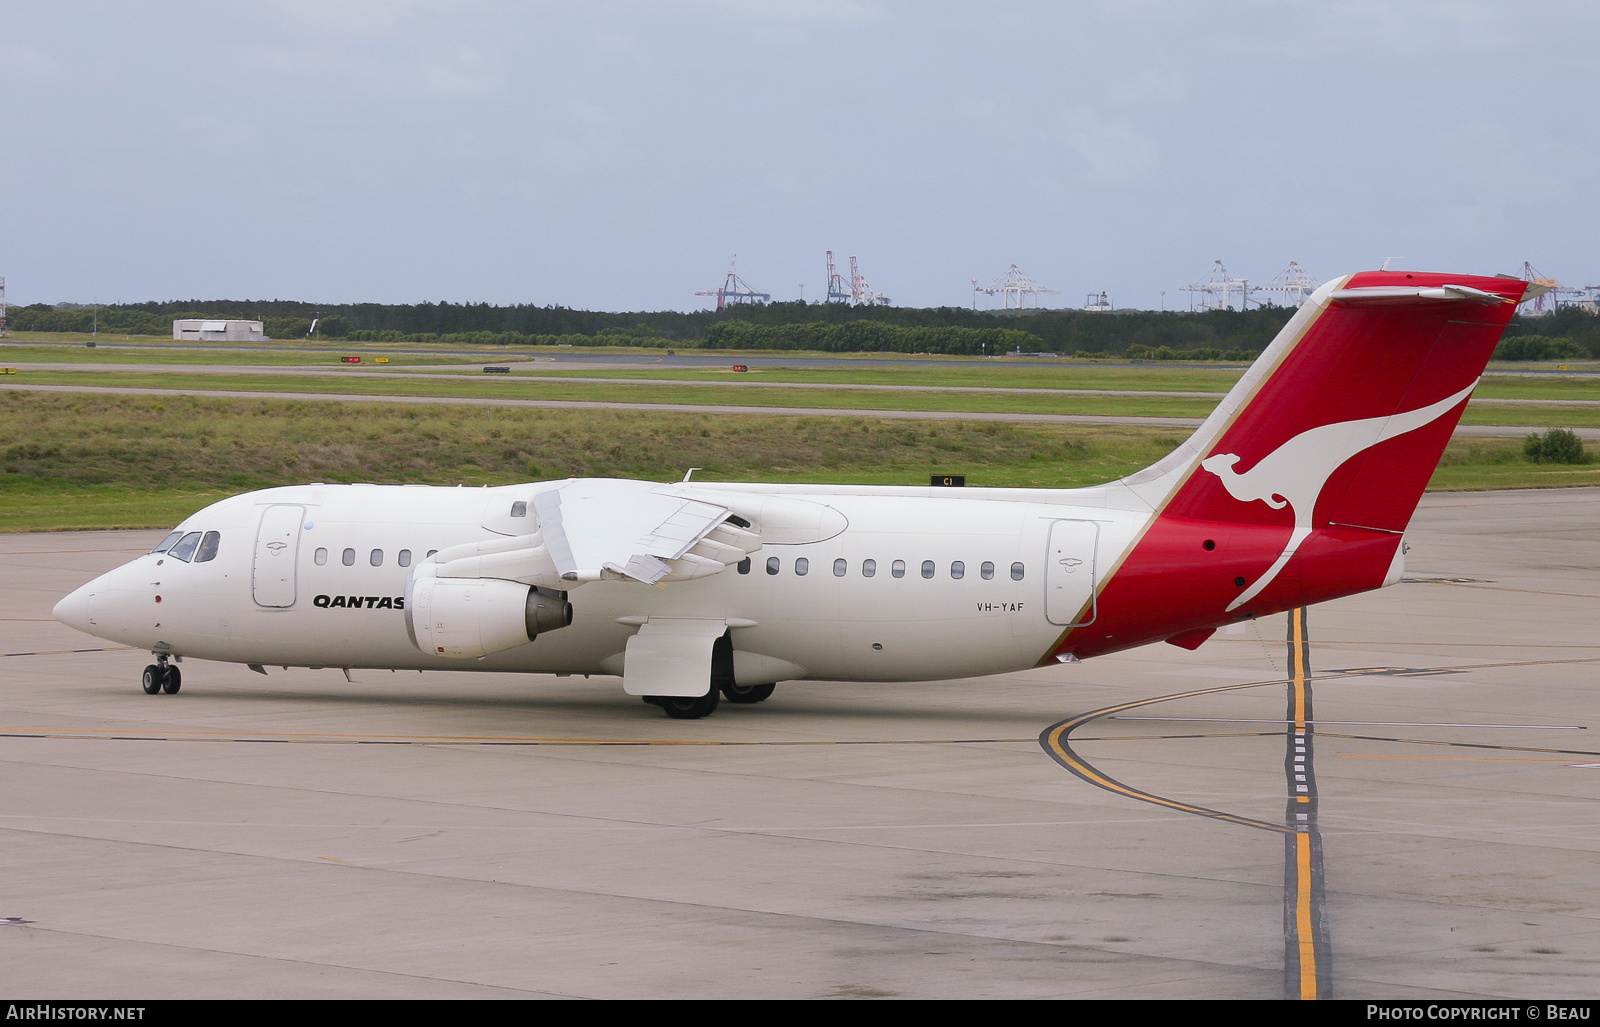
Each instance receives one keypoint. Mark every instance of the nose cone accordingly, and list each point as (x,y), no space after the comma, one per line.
(77,609)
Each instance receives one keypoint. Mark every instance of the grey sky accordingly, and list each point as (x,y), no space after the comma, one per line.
(614,155)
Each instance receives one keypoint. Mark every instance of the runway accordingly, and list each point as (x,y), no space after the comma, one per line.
(473,372)
(456,835)
(1496,431)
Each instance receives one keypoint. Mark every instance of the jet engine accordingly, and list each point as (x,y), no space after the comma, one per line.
(473,617)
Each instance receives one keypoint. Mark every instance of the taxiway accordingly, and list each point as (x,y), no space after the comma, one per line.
(455,835)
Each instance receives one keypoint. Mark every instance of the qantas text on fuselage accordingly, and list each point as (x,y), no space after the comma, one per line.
(1295,490)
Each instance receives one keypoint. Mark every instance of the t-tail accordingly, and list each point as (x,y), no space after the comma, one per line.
(1298,486)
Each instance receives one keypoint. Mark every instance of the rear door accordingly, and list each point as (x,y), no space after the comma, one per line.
(1070,571)
(272,575)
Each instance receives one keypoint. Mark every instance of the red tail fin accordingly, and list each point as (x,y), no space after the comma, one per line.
(1296,488)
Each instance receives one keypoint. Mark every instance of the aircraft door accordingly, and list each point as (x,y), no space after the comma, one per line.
(1070,573)
(272,576)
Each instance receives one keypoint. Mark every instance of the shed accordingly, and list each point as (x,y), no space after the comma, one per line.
(219,330)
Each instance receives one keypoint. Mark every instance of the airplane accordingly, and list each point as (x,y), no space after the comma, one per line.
(1297,489)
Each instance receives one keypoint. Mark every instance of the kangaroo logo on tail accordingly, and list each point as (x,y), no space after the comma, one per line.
(1295,473)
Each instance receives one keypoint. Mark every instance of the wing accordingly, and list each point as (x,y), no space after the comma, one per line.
(590,529)
(613,527)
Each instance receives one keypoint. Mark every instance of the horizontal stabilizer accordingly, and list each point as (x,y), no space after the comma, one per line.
(1375,295)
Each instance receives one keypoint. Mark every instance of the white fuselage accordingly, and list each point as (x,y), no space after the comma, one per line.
(1296,489)
(961,583)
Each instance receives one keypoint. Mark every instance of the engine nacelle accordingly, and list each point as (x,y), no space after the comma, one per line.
(472,617)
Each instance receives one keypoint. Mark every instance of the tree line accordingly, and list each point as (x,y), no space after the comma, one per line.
(1055,331)
(1568,333)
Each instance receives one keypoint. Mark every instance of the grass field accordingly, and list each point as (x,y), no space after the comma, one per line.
(92,460)
(44,347)
(732,394)
(667,392)
(1504,380)
(1068,374)
(927,369)
(83,460)
(86,460)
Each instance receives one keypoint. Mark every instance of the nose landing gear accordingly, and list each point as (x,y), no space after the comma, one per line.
(161,676)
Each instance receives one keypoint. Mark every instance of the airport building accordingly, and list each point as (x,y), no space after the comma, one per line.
(198,330)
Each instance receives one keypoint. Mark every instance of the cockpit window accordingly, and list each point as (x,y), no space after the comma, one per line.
(208,547)
(185,547)
(166,543)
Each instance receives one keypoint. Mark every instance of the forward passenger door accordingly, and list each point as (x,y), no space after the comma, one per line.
(272,574)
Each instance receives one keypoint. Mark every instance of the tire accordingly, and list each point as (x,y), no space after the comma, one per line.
(173,681)
(153,679)
(684,707)
(747,693)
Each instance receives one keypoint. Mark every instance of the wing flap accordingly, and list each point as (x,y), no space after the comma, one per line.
(598,528)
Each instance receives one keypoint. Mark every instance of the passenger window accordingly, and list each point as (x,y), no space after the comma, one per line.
(772,565)
(430,553)
(166,543)
(1016,572)
(519,509)
(376,559)
(744,566)
(185,547)
(869,568)
(958,570)
(208,547)
(321,557)
(839,567)
(349,557)
(898,568)
(927,568)
(404,559)
(987,570)
(802,566)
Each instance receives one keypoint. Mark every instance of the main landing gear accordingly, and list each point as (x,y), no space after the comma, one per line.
(723,686)
(686,707)
(695,707)
(162,676)
(746,693)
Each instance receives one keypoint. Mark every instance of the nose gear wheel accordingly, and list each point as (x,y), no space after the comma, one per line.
(161,677)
